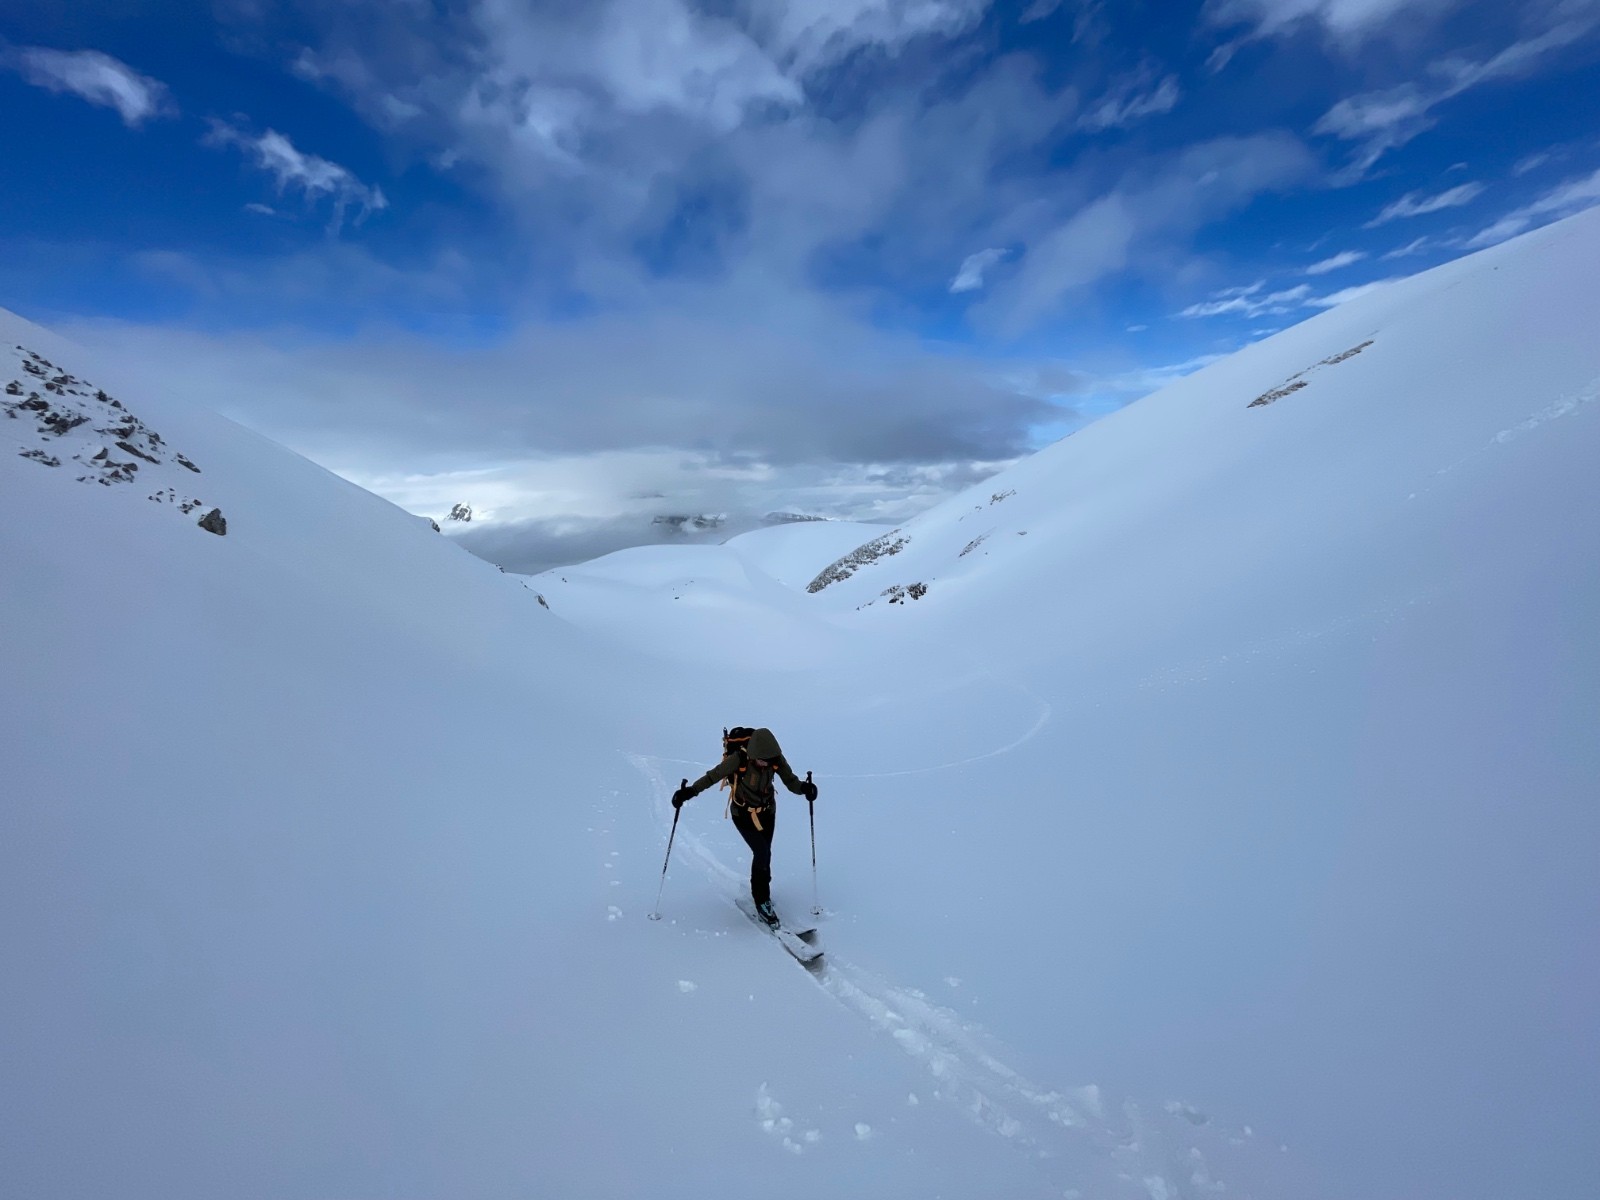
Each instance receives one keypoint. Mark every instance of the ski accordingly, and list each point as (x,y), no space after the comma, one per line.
(797,942)
(796,945)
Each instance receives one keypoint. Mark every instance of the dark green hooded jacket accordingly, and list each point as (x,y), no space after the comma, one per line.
(753,786)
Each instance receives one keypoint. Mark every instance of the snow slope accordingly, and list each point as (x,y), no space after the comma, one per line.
(323,867)
(714,604)
(1281,714)
(1235,790)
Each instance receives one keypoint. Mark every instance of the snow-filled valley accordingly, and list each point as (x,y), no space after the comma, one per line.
(1208,805)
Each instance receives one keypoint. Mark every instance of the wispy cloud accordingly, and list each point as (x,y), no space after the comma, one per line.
(1125,228)
(1133,98)
(1531,162)
(293,170)
(1415,204)
(970,277)
(95,77)
(804,38)
(1343,259)
(1384,120)
(1345,295)
(1346,24)
(1254,301)
(1415,246)
(1039,10)
(1573,196)
(1342,20)
(1250,302)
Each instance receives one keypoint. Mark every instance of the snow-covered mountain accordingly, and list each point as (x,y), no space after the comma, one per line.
(1208,807)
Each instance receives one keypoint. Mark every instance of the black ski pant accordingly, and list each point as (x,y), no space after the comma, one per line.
(746,821)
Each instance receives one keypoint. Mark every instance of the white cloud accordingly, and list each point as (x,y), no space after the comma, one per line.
(1415,204)
(970,277)
(693,406)
(1343,259)
(659,54)
(1533,162)
(810,35)
(537,108)
(295,170)
(807,384)
(1093,243)
(1248,302)
(1133,98)
(1345,21)
(1571,197)
(1132,224)
(97,78)
(1348,294)
(1039,10)
(1387,119)
(1416,246)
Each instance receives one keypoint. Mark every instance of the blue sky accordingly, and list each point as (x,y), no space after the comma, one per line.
(579,263)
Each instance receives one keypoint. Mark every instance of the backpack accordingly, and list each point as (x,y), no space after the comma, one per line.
(734,741)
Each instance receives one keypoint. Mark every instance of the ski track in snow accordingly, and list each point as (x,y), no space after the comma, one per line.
(1565,406)
(1077,1140)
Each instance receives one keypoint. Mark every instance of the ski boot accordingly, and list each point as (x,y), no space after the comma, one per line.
(767,913)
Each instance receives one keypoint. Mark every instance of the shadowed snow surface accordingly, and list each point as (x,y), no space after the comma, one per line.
(1220,821)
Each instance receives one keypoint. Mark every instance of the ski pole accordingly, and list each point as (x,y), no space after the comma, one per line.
(816,905)
(655,913)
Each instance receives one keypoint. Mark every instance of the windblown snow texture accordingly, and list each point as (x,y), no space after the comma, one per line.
(1218,821)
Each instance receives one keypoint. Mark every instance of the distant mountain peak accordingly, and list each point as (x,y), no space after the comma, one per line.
(691,522)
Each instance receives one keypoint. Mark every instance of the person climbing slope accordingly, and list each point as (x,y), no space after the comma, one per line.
(750,760)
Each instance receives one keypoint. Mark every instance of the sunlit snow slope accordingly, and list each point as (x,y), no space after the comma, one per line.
(1243,746)
(1221,823)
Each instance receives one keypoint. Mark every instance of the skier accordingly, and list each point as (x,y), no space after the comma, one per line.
(751,757)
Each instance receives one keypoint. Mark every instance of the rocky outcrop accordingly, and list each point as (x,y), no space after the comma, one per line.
(214,522)
(901,592)
(840,569)
(58,419)
(1298,380)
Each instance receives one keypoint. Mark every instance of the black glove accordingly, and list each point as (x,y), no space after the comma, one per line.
(679,796)
(811,790)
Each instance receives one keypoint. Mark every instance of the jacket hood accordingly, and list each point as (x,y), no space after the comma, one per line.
(763,745)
